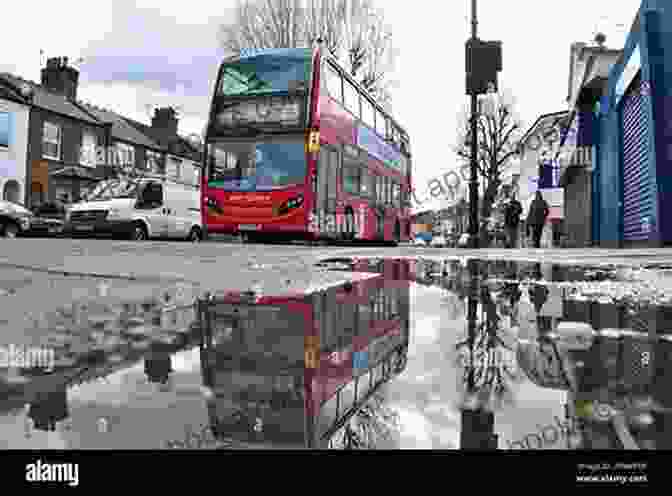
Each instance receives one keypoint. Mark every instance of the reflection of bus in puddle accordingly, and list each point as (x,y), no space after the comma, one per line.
(291,371)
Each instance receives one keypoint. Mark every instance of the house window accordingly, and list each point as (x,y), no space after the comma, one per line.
(154,162)
(381,124)
(4,129)
(125,155)
(174,168)
(351,98)
(88,150)
(51,141)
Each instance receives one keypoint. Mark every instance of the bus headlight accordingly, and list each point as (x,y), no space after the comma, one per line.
(212,204)
(290,204)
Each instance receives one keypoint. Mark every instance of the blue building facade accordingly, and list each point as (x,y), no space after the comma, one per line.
(632,178)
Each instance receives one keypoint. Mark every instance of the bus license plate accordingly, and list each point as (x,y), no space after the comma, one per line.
(83,228)
(248,227)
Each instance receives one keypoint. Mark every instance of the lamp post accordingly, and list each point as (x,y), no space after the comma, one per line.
(473,184)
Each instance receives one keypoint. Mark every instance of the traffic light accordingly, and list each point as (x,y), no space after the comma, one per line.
(483,62)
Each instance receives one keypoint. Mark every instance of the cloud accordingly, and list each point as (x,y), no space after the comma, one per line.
(153,56)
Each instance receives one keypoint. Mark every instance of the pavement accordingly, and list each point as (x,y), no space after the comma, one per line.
(41,276)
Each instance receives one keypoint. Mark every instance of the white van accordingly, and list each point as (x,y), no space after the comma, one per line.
(138,209)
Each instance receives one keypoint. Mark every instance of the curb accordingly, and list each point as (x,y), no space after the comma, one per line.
(94,275)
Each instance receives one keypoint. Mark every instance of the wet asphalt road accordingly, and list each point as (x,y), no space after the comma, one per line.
(131,311)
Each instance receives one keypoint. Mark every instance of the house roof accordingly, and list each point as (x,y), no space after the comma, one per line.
(53,102)
(8,92)
(175,145)
(542,118)
(121,129)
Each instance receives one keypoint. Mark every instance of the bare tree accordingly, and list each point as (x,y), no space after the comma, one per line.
(374,425)
(486,360)
(499,130)
(353,31)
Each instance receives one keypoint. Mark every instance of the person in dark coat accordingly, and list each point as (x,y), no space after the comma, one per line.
(512,213)
(537,218)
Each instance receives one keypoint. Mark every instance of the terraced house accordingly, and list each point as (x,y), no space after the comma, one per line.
(55,167)
(73,144)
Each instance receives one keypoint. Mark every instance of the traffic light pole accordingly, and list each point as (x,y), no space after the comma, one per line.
(473,184)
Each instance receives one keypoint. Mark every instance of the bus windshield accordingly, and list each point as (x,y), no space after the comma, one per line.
(277,71)
(108,190)
(256,165)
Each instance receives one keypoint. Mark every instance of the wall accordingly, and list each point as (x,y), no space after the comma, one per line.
(14,160)
(659,40)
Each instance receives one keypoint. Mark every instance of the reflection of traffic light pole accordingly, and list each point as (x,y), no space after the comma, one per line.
(478,425)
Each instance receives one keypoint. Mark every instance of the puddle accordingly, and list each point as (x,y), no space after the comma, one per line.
(416,355)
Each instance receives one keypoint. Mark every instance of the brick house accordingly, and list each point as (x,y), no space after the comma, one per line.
(57,131)
(183,158)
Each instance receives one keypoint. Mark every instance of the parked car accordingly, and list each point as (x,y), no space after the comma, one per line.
(14,219)
(439,241)
(48,220)
(139,209)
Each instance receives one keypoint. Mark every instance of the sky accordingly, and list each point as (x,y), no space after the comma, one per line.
(150,53)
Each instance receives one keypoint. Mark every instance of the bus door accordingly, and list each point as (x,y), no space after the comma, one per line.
(327,173)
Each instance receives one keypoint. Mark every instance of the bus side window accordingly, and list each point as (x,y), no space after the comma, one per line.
(351,179)
(332,178)
(380,124)
(376,187)
(351,98)
(365,182)
(396,195)
(368,113)
(334,83)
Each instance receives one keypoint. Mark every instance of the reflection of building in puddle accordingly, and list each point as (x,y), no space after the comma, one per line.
(617,384)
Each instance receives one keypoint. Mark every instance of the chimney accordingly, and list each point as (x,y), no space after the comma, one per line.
(165,120)
(57,77)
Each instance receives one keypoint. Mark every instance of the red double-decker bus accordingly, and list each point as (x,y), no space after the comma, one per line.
(291,370)
(297,149)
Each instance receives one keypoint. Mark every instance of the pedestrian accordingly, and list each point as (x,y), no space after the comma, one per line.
(512,213)
(537,218)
